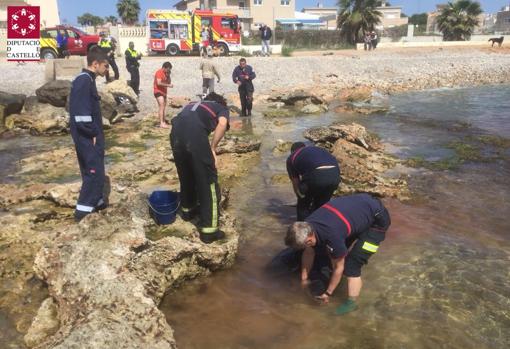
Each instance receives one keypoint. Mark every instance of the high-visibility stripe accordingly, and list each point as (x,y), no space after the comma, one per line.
(184,209)
(367,246)
(84,208)
(339,215)
(83,118)
(296,154)
(209,230)
(214,206)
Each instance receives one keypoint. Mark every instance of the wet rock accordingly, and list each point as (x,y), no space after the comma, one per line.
(54,92)
(234,110)
(353,133)
(357,94)
(293,97)
(282,146)
(108,279)
(120,88)
(118,101)
(45,324)
(40,119)
(280,178)
(237,145)
(313,109)
(10,104)
(278,113)
(178,102)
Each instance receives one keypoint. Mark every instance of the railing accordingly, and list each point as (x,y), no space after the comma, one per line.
(132,31)
(242,12)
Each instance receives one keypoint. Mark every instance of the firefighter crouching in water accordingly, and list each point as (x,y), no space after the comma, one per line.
(195,160)
(315,176)
(132,65)
(86,126)
(348,230)
(108,45)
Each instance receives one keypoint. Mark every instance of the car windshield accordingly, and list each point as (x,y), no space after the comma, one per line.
(79,32)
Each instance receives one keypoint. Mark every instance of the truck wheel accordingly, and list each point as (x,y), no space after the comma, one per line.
(172,50)
(48,53)
(223,49)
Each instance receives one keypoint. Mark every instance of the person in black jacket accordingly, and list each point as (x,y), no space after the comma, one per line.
(265,36)
(132,65)
(243,76)
(86,125)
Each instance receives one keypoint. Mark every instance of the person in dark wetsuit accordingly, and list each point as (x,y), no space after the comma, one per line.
(86,126)
(195,159)
(348,230)
(315,176)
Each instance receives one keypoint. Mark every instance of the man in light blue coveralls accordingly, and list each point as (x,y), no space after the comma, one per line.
(86,126)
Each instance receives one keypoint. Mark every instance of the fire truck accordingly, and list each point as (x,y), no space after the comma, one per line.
(173,32)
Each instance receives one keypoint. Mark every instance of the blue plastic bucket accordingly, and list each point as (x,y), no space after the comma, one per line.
(163,206)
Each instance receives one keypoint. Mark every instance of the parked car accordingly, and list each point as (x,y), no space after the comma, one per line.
(78,44)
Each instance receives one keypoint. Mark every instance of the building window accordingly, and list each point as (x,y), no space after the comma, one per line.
(257,2)
(285,2)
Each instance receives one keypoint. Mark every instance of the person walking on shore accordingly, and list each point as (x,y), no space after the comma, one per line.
(315,176)
(195,159)
(86,126)
(162,81)
(209,71)
(265,36)
(243,76)
(373,39)
(132,65)
(348,231)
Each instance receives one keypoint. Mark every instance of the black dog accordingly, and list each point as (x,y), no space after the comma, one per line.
(499,41)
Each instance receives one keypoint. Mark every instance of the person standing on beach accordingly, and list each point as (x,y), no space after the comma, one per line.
(62,39)
(209,71)
(86,126)
(373,39)
(108,45)
(162,81)
(132,65)
(265,37)
(243,76)
(195,159)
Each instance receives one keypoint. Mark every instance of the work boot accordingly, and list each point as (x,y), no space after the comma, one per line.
(79,215)
(208,238)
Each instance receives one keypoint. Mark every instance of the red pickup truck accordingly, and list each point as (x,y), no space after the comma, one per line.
(78,43)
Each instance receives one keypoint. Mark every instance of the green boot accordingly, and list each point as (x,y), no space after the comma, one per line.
(348,306)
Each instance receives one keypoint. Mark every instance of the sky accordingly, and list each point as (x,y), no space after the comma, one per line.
(71,9)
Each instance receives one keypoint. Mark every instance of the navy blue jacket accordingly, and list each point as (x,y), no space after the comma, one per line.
(306,159)
(239,74)
(265,33)
(341,218)
(84,108)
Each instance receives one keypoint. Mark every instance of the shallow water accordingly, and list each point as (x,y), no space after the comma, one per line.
(441,277)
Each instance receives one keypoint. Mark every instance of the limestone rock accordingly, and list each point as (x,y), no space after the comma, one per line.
(238,145)
(40,119)
(10,104)
(282,146)
(312,109)
(120,88)
(278,113)
(357,94)
(293,97)
(54,92)
(354,133)
(118,101)
(44,325)
(178,102)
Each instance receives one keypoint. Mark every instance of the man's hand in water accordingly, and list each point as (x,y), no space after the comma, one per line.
(323,298)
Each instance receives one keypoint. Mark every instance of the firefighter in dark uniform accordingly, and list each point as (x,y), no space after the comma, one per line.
(315,176)
(195,159)
(243,76)
(349,230)
(86,126)
(132,65)
(108,45)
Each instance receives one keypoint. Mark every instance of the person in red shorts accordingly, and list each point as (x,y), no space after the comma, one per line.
(162,82)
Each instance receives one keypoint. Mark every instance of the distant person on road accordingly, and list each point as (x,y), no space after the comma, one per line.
(62,39)
(265,36)
(86,126)
(210,36)
(162,81)
(209,71)
(344,233)
(373,39)
(367,42)
(315,176)
(204,41)
(243,76)
(132,65)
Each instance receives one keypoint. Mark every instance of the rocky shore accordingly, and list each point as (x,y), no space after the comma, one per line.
(101,281)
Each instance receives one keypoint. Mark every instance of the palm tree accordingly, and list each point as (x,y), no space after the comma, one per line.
(458,19)
(112,19)
(128,11)
(356,17)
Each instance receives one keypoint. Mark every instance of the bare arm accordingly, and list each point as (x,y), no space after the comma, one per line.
(295,186)
(338,270)
(219,132)
(307,263)
(163,84)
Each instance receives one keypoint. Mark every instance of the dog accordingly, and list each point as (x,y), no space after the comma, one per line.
(499,41)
